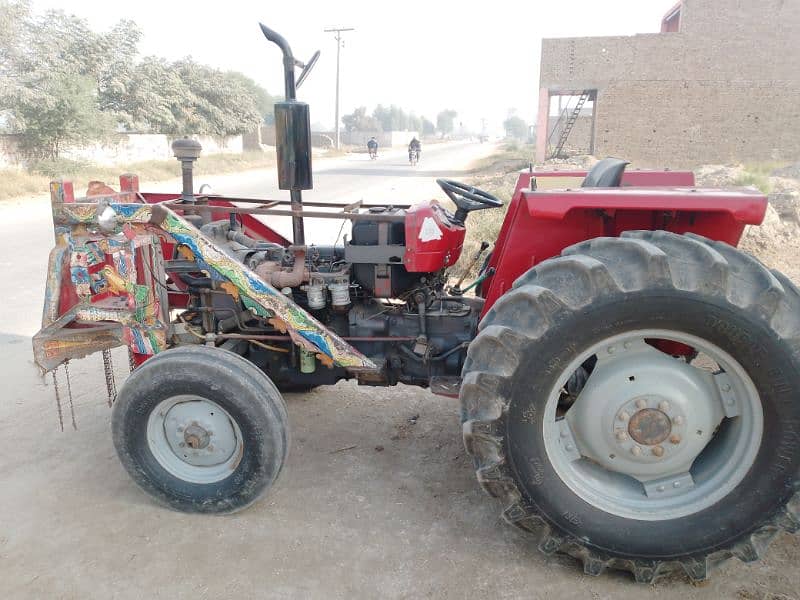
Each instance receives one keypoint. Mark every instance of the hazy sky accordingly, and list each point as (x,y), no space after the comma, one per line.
(480,58)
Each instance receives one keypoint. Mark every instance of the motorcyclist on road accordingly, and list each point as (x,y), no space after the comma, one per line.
(372,146)
(415,146)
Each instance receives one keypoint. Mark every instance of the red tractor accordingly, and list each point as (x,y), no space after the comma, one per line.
(628,378)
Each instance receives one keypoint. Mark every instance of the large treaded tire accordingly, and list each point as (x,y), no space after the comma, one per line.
(602,287)
(231,382)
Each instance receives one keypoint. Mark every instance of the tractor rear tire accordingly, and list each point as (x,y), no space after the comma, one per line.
(201,429)
(596,295)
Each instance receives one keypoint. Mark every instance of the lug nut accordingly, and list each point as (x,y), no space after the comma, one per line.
(663,406)
(675,439)
(570,447)
(611,349)
(623,416)
(621,435)
(658,451)
(660,488)
(676,484)
(726,388)
(641,403)
(636,451)
(678,420)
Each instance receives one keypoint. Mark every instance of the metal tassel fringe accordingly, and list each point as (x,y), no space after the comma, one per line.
(111,384)
(69,398)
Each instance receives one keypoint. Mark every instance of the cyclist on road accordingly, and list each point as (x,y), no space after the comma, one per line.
(414,147)
(372,146)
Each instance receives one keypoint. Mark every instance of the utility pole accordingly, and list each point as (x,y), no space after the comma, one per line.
(338,31)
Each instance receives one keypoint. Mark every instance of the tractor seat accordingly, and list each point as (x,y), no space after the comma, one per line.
(606,173)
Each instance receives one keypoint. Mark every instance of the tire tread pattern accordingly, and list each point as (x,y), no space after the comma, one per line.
(634,261)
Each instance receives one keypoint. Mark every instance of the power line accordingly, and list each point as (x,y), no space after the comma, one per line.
(338,31)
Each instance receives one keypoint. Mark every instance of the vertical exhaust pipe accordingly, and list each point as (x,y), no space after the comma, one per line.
(292,135)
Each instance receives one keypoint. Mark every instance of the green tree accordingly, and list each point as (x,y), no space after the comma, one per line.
(444,121)
(359,120)
(391,118)
(185,97)
(157,97)
(67,114)
(265,102)
(218,103)
(50,68)
(62,83)
(13,16)
(515,127)
(427,127)
(115,77)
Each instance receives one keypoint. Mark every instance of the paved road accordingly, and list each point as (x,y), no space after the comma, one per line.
(398,514)
(387,179)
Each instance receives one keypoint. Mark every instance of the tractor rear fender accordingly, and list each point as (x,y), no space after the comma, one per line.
(540,224)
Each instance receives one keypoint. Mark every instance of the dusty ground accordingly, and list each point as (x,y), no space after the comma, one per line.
(377,500)
(777,241)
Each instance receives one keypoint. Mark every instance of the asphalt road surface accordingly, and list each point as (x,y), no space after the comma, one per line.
(387,179)
(377,500)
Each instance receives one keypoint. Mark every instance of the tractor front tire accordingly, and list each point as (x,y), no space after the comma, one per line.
(605,440)
(201,430)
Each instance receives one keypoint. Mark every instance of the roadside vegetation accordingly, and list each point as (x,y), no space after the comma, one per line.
(83,86)
(36,180)
(63,84)
(394,118)
(757,176)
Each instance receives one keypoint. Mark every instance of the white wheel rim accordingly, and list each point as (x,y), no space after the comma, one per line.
(595,456)
(194,439)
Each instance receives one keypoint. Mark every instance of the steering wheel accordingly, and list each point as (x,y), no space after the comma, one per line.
(467,198)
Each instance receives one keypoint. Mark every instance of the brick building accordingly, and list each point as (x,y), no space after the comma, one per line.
(719,83)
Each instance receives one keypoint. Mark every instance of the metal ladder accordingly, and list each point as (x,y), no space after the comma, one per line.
(571,119)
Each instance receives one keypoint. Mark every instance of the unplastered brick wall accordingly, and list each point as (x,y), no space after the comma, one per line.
(698,122)
(726,88)
(573,64)
(580,138)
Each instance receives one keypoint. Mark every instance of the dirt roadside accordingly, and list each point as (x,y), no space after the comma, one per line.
(776,242)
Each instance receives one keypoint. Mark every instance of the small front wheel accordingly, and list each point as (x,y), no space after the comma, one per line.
(201,430)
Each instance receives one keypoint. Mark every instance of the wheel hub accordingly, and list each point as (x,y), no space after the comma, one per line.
(636,412)
(649,426)
(194,439)
(636,441)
